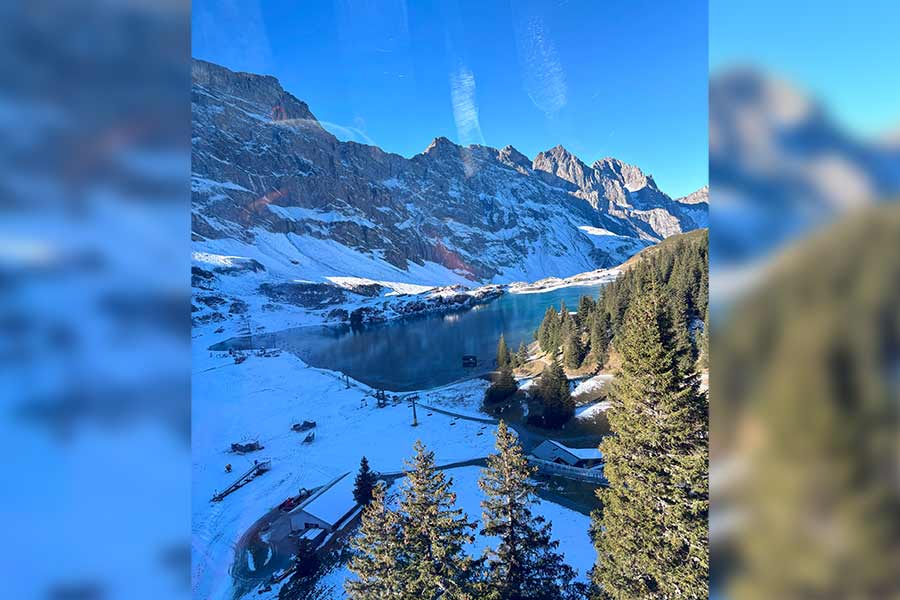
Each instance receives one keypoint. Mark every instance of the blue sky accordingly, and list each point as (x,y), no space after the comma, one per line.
(846,53)
(626,78)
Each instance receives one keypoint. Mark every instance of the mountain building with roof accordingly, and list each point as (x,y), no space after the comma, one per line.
(329,508)
(553,451)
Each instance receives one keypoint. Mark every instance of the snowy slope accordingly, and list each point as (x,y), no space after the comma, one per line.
(260,399)
(270,183)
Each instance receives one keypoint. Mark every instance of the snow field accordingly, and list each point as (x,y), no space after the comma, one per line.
(260,399)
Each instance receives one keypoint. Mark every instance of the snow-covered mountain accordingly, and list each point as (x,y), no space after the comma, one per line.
(701,196)
(621,192)
(279,198)
(781,166)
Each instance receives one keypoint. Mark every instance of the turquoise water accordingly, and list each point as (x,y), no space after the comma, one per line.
(420,352)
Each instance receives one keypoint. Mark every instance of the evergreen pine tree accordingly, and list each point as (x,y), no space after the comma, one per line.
(586,307)
(555,331)
(522,354)
(701,303)
(553,390)
(704,344)
(600,337)
(503,355)
(434,535)
(547,389)
(545,331)
(525,564)
(377,553)
(564,397)
(502,387)
(365,482)
(681,335)
(651,535)
(573,351)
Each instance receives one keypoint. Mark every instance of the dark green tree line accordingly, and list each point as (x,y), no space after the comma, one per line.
(651,534)
(677,269)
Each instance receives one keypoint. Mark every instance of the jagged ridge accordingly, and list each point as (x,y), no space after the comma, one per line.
(269,182)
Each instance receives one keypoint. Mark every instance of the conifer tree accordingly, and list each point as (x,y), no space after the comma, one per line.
(547,391)
(704,344)
(503,355)
(434,535)
(555,326)
(586,307)
(525,564)
(702,301)
(564,396)
(502,387)
(680,331)
(573,351)
(546,330)
(553,389)
(555,339)
(377,553)
(651,536)
(600,337)
(364,483)
(522,354)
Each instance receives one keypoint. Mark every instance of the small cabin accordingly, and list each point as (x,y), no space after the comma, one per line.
(553,451)
(327,508)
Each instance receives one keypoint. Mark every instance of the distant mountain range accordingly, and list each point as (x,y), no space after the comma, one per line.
(780,166)
(275,192)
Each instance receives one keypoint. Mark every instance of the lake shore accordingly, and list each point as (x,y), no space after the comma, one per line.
(598,277)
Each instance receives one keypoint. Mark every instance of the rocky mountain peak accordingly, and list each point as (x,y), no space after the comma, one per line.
(441,145)
(698,197)
(450,214)
(772,99)
(561,154)
(632,177)
(261,95)
(565,165)
(513,157)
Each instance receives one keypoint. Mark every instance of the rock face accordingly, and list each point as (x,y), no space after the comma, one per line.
(782,166)
(623,192)
(270,184)
(701,196)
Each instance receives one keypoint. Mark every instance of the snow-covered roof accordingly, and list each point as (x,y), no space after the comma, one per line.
(332,503)
(580,453)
